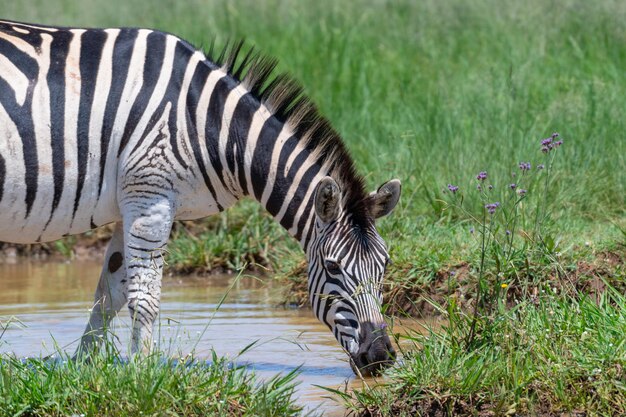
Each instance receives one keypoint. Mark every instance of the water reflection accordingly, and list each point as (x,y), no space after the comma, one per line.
(52,303)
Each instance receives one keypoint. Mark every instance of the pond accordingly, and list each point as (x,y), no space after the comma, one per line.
(52,302)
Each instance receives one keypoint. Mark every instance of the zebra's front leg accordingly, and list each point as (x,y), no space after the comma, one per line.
(110,294)
(147,226)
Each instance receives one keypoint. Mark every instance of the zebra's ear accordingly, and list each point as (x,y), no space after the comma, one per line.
(385,198)
(327,196)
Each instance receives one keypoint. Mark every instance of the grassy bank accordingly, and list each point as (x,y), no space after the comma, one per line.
(149,386)
(554,356)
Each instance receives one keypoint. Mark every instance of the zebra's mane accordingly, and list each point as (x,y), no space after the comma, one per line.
(286,100)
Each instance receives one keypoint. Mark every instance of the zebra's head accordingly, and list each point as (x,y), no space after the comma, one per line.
(347,261)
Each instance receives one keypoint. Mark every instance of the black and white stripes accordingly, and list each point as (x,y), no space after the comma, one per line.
(137,127)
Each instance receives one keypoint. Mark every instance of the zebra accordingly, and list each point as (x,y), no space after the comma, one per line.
(137,128)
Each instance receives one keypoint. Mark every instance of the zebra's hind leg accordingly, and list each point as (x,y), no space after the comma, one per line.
(147,226)
(110,294)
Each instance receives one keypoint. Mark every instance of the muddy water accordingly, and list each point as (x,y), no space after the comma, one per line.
(52,301)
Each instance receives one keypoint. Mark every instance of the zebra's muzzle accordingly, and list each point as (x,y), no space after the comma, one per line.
(375,352)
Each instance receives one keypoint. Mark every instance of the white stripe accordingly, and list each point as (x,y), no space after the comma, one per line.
(61,221)
(308,224)
(181,106)
(229,109)
(20,44)
(224,199)
(284,134)
(12,206)
(15,78)
(30,26)
(41,123)
(258,121)
(89,194)
(20,30)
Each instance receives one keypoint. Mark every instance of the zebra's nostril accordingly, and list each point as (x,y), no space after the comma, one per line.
(363,359)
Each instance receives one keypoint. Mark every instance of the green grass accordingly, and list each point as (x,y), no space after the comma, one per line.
(148,386)
(551,356)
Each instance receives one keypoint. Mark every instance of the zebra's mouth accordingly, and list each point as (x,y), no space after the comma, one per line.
(362,366)
(375,353)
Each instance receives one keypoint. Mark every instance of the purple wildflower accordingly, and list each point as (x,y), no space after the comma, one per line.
(478,187)
(522,192)
(541,166)
(453,188)
(471,230)
(490,187)
(524,166)
(508,233)
(452,273)
(513,186)
(482,176)
(491,208)
(550,143)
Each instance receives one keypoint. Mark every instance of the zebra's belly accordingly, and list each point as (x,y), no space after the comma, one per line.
(49,209)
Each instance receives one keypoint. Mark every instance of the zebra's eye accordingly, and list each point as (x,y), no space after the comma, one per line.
(332,267)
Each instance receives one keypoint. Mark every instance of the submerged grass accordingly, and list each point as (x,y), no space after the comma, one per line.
(108,385)
(552,356)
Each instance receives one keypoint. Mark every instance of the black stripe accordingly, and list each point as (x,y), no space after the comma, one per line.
(304,218)
(238,136)
(329,304)
(33,37)
(347,323)
(182,54)
(22,116)
(56,83)
(135,314)
(263,155)
(92,42)
(303,186)
(195,89)
(136,236)
(122,54)
(2,176)
(281,182)
(214,122)
(155,52)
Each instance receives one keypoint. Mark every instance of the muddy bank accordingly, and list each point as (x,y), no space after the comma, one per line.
(406,292)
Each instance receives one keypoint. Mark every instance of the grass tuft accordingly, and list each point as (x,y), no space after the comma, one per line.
(552,356)
(109,385)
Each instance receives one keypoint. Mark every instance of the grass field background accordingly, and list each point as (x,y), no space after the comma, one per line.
(432,92)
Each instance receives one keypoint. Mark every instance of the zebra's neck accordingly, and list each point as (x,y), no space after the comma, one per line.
(252,152)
